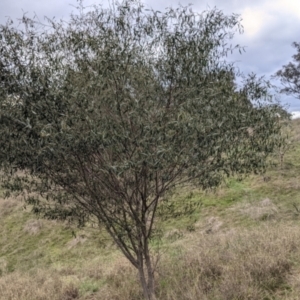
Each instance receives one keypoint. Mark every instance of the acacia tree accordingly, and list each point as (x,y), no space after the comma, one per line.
(105,114)
(289,75)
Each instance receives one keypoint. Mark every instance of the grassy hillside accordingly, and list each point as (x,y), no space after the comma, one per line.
(240,242)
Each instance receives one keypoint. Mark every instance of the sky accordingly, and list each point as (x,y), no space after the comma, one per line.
(270,28)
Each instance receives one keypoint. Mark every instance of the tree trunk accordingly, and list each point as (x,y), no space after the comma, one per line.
(146,274)
(147,284)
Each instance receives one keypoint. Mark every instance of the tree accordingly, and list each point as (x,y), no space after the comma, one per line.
(289,75)
(105,114)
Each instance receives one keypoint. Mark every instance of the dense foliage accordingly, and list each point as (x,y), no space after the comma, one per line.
(289,75)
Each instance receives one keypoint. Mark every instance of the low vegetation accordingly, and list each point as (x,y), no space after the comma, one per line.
(241,242)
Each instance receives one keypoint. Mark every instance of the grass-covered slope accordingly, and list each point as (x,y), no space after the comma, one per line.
(241,242)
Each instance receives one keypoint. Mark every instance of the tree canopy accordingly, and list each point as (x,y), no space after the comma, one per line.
(289,75)
(106,113)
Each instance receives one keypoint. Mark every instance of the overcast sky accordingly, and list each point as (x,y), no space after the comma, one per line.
(270,27)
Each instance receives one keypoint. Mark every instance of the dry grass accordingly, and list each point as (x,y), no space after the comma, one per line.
(258,263)
(33,226)
(235,264)
(8,205)
(259,210)
(42,285)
